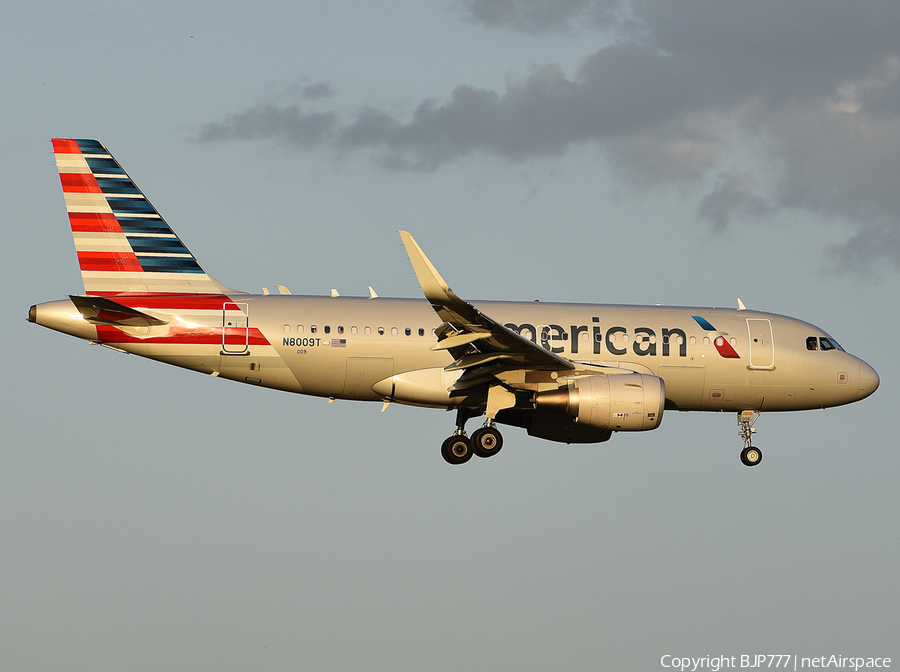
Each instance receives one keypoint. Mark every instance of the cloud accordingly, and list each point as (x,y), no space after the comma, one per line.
(809,90)
(734,195)
(316,91)
(541,16)
(865,251)
(290,124)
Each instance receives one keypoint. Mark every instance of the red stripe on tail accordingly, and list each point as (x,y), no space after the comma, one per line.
(117,262)
(95,222)
(79,183)
(61,146)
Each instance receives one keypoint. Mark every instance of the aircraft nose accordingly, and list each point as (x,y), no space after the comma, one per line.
(868,380)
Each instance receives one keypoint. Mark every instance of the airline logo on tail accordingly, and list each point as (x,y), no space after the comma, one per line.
(123,243)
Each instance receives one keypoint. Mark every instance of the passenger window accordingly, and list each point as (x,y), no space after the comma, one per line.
(421,332)
(299,328)
(394,331)
(368,330)
(312,329)
(408,331)
(381,331)
(354,330)
(340,330)
(812,343)
(287,328)
(327,329)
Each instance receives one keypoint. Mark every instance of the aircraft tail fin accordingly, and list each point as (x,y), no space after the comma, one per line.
(123,244)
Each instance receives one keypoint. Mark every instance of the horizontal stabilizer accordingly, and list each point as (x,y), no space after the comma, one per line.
(98,310)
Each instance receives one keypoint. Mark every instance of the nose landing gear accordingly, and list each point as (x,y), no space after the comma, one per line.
(750,455)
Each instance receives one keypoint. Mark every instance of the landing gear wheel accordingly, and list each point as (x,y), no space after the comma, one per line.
(486,441)
(751,456)
(457,449)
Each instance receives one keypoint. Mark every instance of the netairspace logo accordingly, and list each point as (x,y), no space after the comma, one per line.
(771,661)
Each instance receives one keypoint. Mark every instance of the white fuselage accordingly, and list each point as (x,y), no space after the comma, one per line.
(380,349)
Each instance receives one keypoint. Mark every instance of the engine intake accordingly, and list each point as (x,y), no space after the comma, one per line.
(628,402)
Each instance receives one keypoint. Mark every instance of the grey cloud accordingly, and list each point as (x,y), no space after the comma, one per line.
(543,114)
(317,91)
(540,16)
(810,88)
(266,121)
(734,195)
(865,251)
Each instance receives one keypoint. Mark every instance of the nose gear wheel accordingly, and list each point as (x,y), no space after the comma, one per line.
(750,455)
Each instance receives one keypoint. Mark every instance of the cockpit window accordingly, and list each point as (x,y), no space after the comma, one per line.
(822,343)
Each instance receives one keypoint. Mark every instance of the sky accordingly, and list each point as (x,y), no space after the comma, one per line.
(572,150)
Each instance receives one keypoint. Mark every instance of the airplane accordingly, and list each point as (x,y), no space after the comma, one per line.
(570,373)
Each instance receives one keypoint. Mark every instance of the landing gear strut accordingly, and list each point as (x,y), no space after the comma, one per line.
(750,455)
(459,448)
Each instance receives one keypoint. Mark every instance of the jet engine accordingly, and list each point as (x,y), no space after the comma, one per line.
(628,402)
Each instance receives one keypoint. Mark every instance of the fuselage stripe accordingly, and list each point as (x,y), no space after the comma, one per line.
(195,335)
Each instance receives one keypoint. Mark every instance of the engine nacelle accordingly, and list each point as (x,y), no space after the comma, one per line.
(628,402)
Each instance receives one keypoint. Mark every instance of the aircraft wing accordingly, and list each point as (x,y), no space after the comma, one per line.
(480,344)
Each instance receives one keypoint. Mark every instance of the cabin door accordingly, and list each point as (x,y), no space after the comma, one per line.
(762,345)
(235,328)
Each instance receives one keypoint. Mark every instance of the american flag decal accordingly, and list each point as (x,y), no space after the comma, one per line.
(338,342)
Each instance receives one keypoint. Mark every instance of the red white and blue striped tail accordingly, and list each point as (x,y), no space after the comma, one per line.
(123,244)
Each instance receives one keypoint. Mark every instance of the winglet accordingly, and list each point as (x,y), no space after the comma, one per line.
(433,285)
(741,305)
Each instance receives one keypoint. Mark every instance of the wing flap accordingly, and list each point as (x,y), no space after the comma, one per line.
(459,339)
(477,359)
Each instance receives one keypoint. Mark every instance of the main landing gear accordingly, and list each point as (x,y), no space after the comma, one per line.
(459,448)
(750,455)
